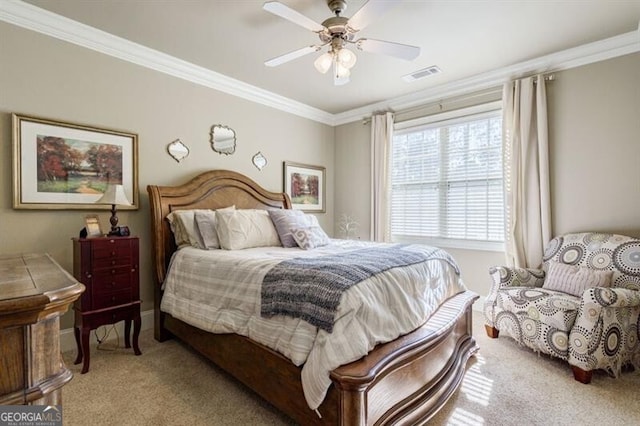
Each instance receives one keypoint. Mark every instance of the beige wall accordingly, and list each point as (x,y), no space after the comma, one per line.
(594,125)
(594,133)
(46,77)
(353,176)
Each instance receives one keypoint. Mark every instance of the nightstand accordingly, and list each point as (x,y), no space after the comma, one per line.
(108,267)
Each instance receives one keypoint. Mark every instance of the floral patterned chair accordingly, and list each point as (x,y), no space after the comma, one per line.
(582,307)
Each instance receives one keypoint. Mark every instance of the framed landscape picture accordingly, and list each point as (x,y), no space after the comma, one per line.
(58,165)
(305,186)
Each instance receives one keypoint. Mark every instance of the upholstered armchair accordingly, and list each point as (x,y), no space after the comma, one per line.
(582,307)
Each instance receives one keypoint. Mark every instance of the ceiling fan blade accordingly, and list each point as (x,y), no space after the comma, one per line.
(291,15)
(368,13)
(278,60)
(398,50)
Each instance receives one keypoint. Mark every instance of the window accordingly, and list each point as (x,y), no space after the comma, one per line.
(446,180)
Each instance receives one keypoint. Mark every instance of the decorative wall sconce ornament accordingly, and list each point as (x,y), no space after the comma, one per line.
(259,160)
(223,139)
(178,150)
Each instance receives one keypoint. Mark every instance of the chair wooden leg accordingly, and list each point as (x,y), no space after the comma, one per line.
(581,375)
(491,331)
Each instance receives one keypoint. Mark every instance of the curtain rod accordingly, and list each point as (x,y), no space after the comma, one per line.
(485,92)
(547,77)
(451,100)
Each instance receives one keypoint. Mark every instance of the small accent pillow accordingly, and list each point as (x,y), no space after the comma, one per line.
(247,228)
(310,237)
(573,279)
(313,221)
(286,220)
(183,226)
(206,225)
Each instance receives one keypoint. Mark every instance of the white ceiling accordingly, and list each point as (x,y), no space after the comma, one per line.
(465,38)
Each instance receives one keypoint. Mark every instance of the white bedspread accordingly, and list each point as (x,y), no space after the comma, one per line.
(219,291)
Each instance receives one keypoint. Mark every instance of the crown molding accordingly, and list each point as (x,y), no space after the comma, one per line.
(571,58)
(40,20)
(33,18)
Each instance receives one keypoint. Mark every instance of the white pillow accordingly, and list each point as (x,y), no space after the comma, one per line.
(573,279)
(248,228)
(206,226)
(183,226)
(310,237)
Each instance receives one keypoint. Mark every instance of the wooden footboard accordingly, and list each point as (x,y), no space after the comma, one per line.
(404,381)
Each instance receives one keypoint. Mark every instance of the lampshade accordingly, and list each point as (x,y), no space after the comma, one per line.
(323,63)
(346,58)
(114,194)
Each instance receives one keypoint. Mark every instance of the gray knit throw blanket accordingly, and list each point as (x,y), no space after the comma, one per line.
(311,288)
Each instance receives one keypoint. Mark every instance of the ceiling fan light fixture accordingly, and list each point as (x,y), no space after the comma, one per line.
(341,71)
(346,58)
(338,31)
(323,62)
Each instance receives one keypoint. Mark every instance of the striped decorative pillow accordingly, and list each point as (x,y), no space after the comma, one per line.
(574,279)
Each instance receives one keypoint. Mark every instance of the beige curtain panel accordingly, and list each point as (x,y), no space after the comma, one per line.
(381,134)
(526,171)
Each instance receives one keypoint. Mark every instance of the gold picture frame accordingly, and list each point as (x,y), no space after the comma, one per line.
(59,165)
(92,225)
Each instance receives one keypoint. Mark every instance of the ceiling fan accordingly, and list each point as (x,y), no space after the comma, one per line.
(338,32)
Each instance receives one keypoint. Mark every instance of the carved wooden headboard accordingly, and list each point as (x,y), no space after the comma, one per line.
(210,190)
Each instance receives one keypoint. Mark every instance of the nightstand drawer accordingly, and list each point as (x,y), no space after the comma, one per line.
(111,262)
(120,275)
(108,283)
(111,248)
(114,298)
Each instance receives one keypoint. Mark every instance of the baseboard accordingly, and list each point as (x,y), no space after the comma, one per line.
(68,340)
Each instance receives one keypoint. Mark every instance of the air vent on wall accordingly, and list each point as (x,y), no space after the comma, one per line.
(426,72)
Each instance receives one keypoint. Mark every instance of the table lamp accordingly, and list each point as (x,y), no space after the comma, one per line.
(114,194)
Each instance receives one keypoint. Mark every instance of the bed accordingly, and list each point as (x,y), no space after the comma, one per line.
(403,381)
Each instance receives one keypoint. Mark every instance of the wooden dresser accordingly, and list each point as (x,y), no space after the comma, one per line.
(34,292)
(108,267)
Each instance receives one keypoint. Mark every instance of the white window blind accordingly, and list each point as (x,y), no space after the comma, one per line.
(446,181)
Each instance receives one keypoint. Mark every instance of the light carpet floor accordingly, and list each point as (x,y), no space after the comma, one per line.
(505,384)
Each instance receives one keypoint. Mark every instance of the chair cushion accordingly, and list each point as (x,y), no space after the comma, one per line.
(575,279)
(553,308)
